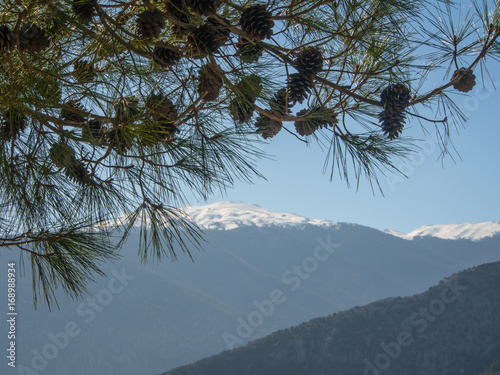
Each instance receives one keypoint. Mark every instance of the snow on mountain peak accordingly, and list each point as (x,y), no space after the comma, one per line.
(466,231)
(469,231)
(230,215)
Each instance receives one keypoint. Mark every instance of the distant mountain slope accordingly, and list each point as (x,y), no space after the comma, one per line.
(453,328)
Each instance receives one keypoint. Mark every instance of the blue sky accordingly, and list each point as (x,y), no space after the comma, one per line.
(437,191)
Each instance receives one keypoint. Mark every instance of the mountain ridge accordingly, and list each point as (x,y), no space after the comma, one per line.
(226,215)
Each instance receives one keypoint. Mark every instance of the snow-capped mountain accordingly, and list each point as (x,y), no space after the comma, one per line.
(469,231)
(231,215)
(465,231)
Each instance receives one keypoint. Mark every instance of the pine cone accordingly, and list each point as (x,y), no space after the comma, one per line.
(249,51)
(222,32)
(309,61)
(209,84)
(159,106)
(84,9)
(267,127)
(164,115)
(299,87)
(203,41)
(68,115)
(257,22)
(204,7)
(6,39)
(62,155)
(166,56)
(78,174)
(305,128)
(241,109)
(12,125)
(395,98)
(32,38)
(392,125)
(466,80)
(150,24)
(317,118)
(279,104)
(83,71)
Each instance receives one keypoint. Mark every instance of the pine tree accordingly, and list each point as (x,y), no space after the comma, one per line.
(109,113)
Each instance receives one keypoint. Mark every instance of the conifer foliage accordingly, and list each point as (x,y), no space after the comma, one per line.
(110,110)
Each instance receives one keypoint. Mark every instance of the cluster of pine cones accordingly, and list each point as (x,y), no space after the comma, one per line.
(184,20)
(205,38)
(34,38)
(308,62)
(159,125)
(396,97)
(310,120)
(163,113)
(200,40)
